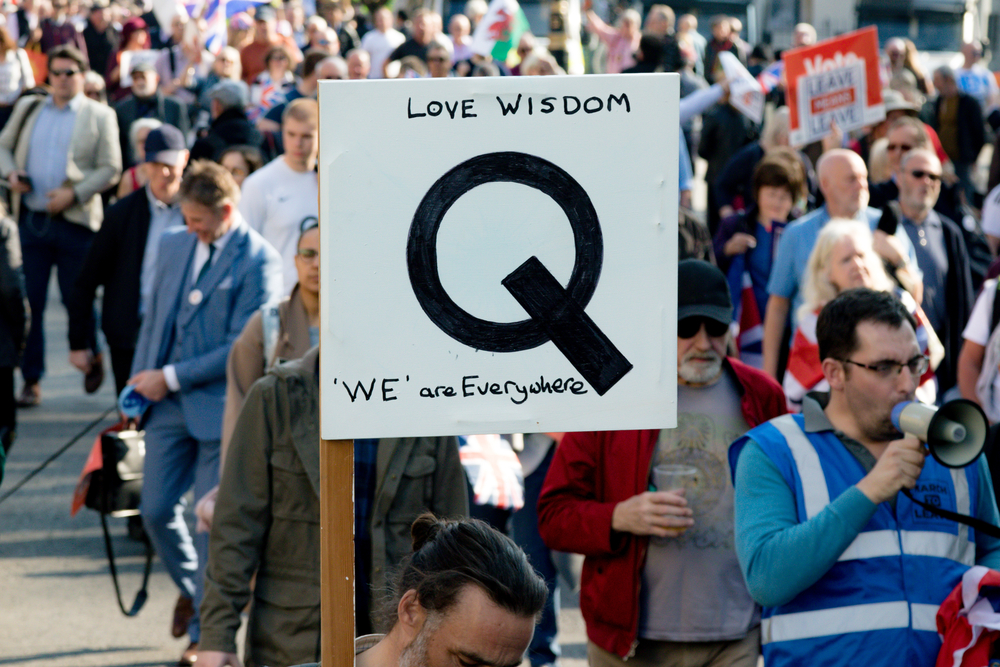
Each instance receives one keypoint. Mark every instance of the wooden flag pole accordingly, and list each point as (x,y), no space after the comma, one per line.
(336,464)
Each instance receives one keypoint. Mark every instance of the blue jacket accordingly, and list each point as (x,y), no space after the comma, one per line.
(246,275)
(876,605)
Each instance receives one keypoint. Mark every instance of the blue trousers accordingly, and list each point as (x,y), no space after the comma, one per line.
(544,649)
(175,460)
(46,242)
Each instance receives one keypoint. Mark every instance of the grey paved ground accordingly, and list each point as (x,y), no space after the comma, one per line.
(57,606)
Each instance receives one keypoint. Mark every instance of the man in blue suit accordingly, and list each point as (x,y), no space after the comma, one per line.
(209,281)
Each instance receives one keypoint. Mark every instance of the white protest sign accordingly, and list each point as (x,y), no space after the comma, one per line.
(745,91)
(834,81)
(499,255)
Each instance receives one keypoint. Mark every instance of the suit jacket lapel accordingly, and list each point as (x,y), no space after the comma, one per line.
(174,286)
(219,270)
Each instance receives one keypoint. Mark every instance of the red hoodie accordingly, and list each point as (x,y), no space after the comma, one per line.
(590,474)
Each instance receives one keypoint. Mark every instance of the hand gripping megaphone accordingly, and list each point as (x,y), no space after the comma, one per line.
(955,433)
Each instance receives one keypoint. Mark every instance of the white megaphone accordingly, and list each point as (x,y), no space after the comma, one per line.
(955,433)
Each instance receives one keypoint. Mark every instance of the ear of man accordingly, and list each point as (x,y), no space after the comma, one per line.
(834,372)
(411,616)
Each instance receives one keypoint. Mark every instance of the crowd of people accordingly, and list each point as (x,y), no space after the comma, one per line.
(818,287)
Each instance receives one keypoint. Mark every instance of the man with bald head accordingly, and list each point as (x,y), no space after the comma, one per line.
(941,255)
(359,64)
(843,180)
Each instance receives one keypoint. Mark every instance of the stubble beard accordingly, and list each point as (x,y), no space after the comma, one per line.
(415,654)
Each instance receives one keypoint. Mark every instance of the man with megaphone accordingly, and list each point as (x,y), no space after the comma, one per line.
(849,570)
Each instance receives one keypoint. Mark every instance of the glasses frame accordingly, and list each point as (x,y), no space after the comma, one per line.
(922,360)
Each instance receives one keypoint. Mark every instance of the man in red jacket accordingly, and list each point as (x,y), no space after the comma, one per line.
(661,584)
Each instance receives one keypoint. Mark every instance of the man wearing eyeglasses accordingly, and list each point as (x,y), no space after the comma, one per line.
(661,584)
(849,570)
(942,256)
(903,135)
(59,153)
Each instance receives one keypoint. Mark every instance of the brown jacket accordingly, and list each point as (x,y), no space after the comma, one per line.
(246,363)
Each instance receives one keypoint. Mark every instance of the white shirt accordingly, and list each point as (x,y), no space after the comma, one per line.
(379,45)
(275,201)
(977,329)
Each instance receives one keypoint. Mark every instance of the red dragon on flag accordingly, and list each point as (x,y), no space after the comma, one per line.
(499,30)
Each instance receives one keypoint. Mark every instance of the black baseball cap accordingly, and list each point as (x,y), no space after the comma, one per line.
(165,145)
(702,291)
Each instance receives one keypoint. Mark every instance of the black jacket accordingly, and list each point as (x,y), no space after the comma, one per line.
(971,127)
(100,46)
(166,109)
(115,261)
(13,306)
(231,128)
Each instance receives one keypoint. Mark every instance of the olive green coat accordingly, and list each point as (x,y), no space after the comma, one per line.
(267,517)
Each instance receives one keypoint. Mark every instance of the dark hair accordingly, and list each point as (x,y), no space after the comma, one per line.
(780,168)
(209,184)
(70,53)
(312,58)
(837,326)
(251,155)
(763,52)
(451,554)
(274,52)
(651,47)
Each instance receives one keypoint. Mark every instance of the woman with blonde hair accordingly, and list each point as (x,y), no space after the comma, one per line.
(843,258)
(15,74)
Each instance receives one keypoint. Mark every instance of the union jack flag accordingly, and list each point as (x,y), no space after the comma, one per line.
(771,76)
(751,325)
(494,471)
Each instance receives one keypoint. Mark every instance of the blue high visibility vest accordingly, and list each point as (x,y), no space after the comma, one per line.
(877,605)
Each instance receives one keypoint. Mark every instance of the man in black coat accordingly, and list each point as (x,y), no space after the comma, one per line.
(122,257)
(958,121)
(13,327)
(147,101)
(941,255)
(100,36)
(230,126)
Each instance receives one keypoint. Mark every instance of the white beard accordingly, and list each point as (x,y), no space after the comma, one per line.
(699,373)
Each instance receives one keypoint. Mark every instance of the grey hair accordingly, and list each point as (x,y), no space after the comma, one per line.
(946,72)
(138,126)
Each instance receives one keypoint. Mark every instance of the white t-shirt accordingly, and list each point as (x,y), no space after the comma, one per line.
(978,82)
(274,202)
(379,45)
(977,329)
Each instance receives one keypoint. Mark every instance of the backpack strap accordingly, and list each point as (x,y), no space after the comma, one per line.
(270,321)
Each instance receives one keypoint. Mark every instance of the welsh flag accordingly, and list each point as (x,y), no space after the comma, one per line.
(499,31)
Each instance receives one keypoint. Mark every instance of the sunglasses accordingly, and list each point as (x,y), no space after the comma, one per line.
(920,174)
(64,72)
(899,147)
(690,326)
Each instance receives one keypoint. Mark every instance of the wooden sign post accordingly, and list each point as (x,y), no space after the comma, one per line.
(498,255)
(336,472)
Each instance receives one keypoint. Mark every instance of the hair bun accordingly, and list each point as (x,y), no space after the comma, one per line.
(424,529)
